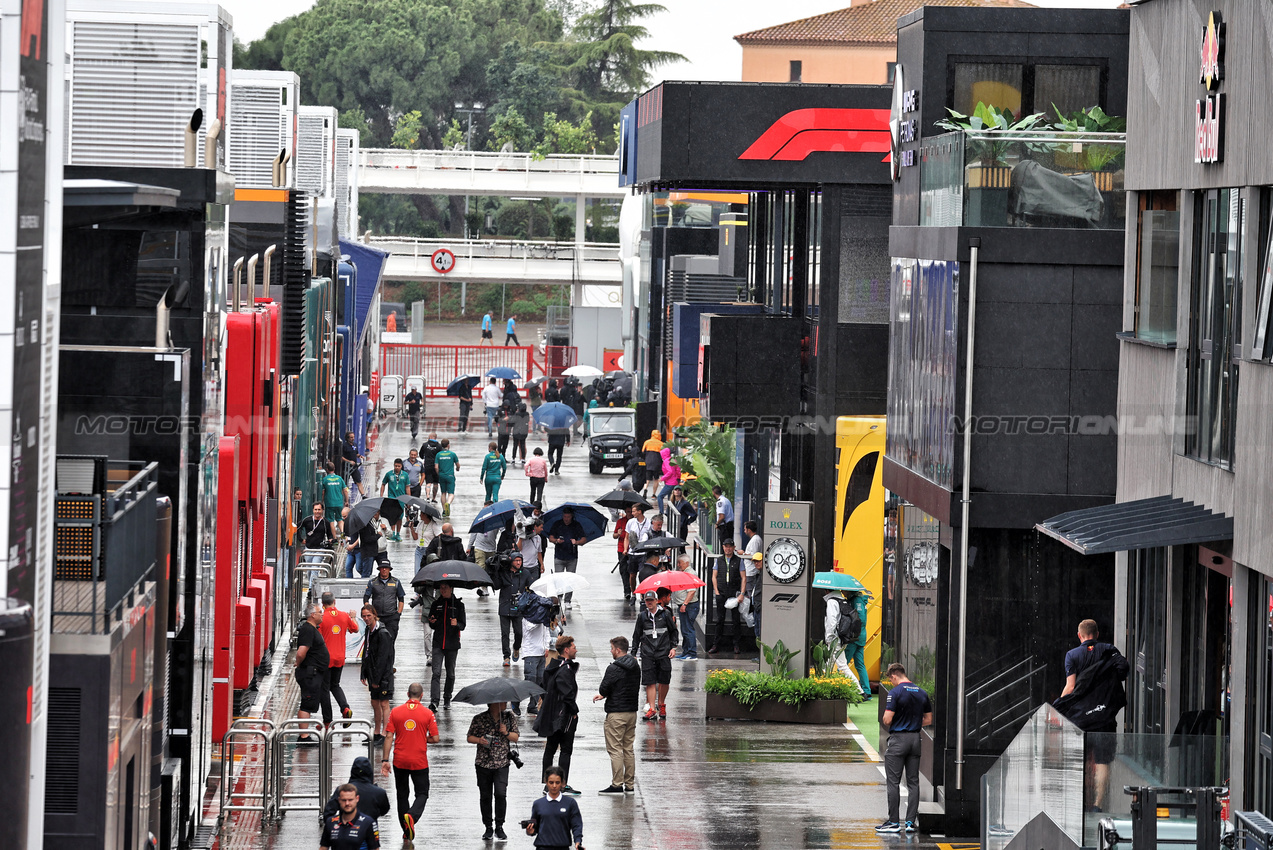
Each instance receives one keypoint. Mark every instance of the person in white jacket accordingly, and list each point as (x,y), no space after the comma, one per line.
(829,623)
(537,639)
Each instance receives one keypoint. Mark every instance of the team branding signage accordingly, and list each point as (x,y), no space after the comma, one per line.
(785,576)
(1208,122)
(804,131)
(903,126)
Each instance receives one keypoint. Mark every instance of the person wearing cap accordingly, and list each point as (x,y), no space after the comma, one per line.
(655,637)
(386,596)
(728,582)
(752,568)
(685,607)
(638,531)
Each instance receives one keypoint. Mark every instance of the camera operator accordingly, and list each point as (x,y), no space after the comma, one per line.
(494,731)
(511,579)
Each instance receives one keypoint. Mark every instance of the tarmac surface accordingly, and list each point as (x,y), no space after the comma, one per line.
(700,784)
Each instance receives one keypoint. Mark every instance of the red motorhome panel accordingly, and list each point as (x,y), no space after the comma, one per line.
(228,586)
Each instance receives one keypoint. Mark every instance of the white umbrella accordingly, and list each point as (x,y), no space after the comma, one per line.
(558,584)
(583,372)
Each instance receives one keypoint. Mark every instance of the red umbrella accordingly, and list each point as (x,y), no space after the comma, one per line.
(673,580)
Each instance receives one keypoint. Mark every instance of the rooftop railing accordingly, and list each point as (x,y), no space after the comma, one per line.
(1023,179)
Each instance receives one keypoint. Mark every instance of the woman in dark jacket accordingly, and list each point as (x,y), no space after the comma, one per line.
(559,711)
(377,669)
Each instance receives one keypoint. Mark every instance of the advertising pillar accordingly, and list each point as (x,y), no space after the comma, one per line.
(786,581)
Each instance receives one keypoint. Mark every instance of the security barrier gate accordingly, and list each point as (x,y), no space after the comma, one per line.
(247,731)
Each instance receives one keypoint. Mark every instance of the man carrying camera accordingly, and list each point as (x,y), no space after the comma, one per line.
(511,579)
(494,731)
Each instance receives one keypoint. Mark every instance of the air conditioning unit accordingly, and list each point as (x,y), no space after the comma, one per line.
(136,73)
(347,184)
(263,125)
(316,150)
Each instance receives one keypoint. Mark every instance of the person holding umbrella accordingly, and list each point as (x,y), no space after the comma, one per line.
(377,669)
(566,535)
(492,472)
(511,582)
(446,616)
(493,731)
(559,712)
(655,638)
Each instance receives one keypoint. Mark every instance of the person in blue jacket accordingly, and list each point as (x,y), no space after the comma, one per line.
(555,818)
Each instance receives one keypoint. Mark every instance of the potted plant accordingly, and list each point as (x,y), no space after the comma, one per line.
(822,698)
(1102,160)
(987,164)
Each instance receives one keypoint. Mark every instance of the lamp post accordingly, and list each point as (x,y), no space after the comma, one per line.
(469,109)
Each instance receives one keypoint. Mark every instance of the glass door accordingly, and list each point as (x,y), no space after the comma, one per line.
(1147,641)
(1261,702)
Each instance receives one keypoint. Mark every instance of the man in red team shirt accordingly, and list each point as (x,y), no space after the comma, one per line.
(336,624)
(412,727)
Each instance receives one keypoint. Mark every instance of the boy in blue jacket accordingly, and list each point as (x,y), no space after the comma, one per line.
(554,817)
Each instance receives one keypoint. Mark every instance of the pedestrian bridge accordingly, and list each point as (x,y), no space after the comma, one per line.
(431,172)
(501,261)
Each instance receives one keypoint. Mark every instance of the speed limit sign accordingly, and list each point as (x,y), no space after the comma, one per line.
(442,260)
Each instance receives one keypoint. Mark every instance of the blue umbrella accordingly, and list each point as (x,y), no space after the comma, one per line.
(495,516)
(504,373)
(463,385)
(592,520)
(555,415)
(837,581)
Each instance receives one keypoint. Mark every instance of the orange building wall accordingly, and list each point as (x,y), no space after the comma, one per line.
(771,63)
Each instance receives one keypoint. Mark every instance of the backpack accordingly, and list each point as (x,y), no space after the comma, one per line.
(535,608)
(849,627)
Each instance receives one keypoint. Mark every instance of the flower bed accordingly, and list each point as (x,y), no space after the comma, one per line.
(752,690)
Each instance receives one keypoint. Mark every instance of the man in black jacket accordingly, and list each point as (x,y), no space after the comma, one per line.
(428,453)
(655,637)
(1093,696)
(446,616)
(559,712)
(728,582)
(510,582)
(377,668)
(446,545)
(315,530)
(372,799)
(621,689)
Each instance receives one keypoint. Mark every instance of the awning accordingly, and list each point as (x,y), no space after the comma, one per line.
(370,263)
(1142,524)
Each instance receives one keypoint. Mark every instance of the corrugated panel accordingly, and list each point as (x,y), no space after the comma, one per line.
(341,187)
(62,767)
(133,89)
(314,153)
(258,131)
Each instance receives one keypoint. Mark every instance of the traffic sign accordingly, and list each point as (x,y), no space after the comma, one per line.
(442,260)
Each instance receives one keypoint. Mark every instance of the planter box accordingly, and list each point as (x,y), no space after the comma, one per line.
(821,711)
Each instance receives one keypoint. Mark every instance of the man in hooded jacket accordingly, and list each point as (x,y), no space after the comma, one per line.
(372,799)
(446,545)
(559,711)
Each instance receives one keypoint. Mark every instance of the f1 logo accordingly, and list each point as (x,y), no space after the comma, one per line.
(804,131)
(785,597)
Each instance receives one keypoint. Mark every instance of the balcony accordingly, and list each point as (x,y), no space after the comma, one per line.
(1023,179)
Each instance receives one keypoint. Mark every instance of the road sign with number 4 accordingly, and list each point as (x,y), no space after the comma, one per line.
(442,260)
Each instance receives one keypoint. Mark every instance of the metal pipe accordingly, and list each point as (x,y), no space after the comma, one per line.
(234,287)
(161,321)
(191,153)
(252,279)
(265,274)
(210,144)
(974,249)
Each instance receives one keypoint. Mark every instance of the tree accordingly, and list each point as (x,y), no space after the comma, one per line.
(560,136)
(603,62)
(511,129)
(406,131)
(356,119)
(523,78)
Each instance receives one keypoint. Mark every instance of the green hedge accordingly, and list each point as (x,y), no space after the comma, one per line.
(750,688)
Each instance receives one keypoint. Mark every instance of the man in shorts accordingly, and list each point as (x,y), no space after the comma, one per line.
(349,453)
(428,456)
(395,483)
(312,669)
(655,639)
(446,463)
(1094,694)
(487,335)
(335,494)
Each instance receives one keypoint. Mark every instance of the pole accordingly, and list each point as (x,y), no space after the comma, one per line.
(974,248)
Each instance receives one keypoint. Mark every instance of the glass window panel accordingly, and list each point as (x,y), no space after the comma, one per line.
(1158,267)
(1068,87)
(992,83)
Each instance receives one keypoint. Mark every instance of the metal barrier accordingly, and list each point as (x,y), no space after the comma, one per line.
(441,364)
(1255,831)
(313,563)
(355,728)
(243,731)
(295,728)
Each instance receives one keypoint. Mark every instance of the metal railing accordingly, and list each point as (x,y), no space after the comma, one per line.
(313,563)
(500,249)
(441,364)
(292,731)
(1255,832)
(527,163)
(247,731)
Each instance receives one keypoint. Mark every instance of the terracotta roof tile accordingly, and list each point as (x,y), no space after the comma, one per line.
(867,23)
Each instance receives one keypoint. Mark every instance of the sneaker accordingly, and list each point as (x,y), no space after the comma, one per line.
(489,834)
(500,835)
(378,740)
(307,741)
(347,712)
(629,790)
(507,663)
(663,711)
(517,656)
(681,657)
(408,826)
(910,826)
(649,715)
(433,706)
(612,789)
(446,706)
(889,826)
(571,791)
(693,656)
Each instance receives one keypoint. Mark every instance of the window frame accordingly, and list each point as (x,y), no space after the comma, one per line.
(1149,201)
(1028,64)
(795,70)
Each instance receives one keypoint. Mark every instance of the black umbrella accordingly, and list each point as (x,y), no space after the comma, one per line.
(620,499)
(656,543)
(360,514)
(455,573)
(463,385)
(423,505)
(497,689)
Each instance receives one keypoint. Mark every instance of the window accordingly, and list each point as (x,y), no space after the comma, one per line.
(1147,641)
(1260,683)
(1262,344)
(1067,87)
(992,83)
(1216,291)
(796,69)
(892,72)
(1157,266)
